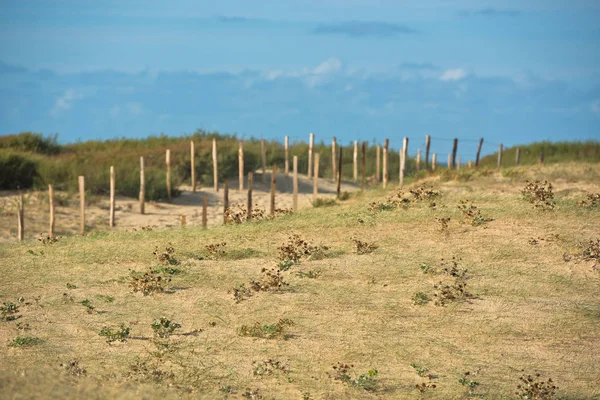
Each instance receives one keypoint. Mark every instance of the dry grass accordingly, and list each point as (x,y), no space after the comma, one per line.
(531,310)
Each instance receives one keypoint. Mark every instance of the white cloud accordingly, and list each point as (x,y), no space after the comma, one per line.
(595,107)
(329,66)
(135,108)
(65,102)
(453,75)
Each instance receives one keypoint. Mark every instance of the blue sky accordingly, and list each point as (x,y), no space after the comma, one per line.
(509,71)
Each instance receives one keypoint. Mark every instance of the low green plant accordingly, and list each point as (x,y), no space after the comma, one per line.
(108,299)
(343,373)
(467,381)
(322,202)
(71,286)
(420,299)
(272,281)
(88,305)
(167,256)
(25,341)
(9,311)
(163,327)
(420,369)
(277,330)
(532,387)
(117,335)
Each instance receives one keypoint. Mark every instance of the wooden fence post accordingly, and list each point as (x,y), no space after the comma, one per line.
(225,201)
(263,157)
(316,178)
(458,163)
(142,186)
(449,161)
(241,165)
(287,155)
(111,216)
(363,166)
(403,159)
(168,162)
(339,177)
(386,144)
(193,165)
(427,146)
(215,165)
(499,155)
(518,156)
(454,149)
(20,219)
(469,164)
(378,164)
(273,187)
(333,159)
(51,203)
(311,143)
(81,205)
(249,210)
(433,161)
(355,161)
(401,171)
(295,185)
(478,152)
(418,160)
(183,221)
(204,211)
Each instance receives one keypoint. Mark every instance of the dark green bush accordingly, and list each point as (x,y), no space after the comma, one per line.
(18,170)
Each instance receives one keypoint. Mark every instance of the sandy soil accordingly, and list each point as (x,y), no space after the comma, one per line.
(128,217)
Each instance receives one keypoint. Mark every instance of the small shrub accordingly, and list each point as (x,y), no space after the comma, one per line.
(361,247)
(148,283)
(321,202)
(273,331)
(427,269)
(118,335)
(163,327)
(241,293)
(467,382)
(343,373)
(590,252)
(472,214)
(450,292)
(297,249)
(269,367)
(48,240)
(145,371)
(272,281)
(539,194)
(424,193)
(591,201)
(444,222)
(73,368)
(531,387)
(9,311)
(216,250)
(420,370)
(420,299)
(25,341)
(343,196)
(166,256)
(71,286)
(88,305)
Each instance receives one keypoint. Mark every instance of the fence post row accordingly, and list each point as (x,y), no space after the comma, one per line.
(518,156)
(81,205)
(225,201)
(339,171)
(363,169)
(433,161)
(449,161)
(51,203)
(499,156)
(418,160)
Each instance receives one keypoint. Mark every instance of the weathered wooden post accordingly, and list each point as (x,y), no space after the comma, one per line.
(249,208)
(142,186)
(403,159)
(433,162)
(333,159)
(454,150)
(168,163)
(287,155)
(295,185)
(518,156)
(355,161)
(273,187)
(316,178)
(478,152)
(20,219)
(378,164)
(419,160)
(386,145)
(499,156)
(311,143)
(241,165)
(225,201)
(51,203)
(263,157)
(215,165)
(449,161)
(470,164)
(364,166)
(193,165)
(111,217)
(204,211)
(427,146)
(81,205)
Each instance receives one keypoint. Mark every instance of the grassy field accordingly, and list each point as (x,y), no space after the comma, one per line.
(494,290)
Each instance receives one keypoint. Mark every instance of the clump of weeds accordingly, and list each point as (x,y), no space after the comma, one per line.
(361,247)
(71,286)
(468,382)
(88,306)
(73,368)
(420,299)
(9,311)
(456,289)
(322,202)
(48,240)
(472,214)
(148,371)
(310,274)
(150,282)
(272,281)
(269,367)
(25,341)
(592,200)
(215,250)
(166,256)
(343,372)
(241,293)
(252,394)
(421,370)
(590,252)
(539,194)
(296,249)
(532,387)
(120,334)
(425,194)
(444,225)
(163,327)
(278,330)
